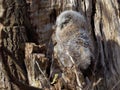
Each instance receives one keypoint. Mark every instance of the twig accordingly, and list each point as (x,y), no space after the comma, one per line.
(96,83)
(116,85)
(51,67)
(42,73)
(77,77)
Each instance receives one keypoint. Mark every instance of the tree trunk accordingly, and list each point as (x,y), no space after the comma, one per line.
(26,49)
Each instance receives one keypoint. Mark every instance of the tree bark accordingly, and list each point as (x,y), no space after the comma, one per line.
(26,49)
(14,22)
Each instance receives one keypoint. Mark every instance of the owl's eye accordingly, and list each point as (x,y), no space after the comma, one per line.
(64,24)
(66,21)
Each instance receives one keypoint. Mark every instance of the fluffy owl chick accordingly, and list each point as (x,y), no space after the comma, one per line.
(73,41)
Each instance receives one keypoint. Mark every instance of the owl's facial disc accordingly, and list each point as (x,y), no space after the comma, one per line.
(64,21)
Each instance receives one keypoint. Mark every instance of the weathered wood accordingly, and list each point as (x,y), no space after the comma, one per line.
(36,64)
(21,22)
(13,38)
(107,26)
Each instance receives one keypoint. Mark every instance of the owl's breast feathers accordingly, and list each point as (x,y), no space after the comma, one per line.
(79,47)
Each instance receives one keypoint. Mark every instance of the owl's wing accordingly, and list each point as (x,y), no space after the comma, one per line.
(79,48)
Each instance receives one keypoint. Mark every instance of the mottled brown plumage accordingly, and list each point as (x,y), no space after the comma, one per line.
(73,41)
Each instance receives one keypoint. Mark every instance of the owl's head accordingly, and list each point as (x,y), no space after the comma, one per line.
(70,17)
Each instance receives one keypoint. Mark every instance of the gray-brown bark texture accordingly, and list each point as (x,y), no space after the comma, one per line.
(26,49)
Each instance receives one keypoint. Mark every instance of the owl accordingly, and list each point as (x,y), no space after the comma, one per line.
(74,46)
